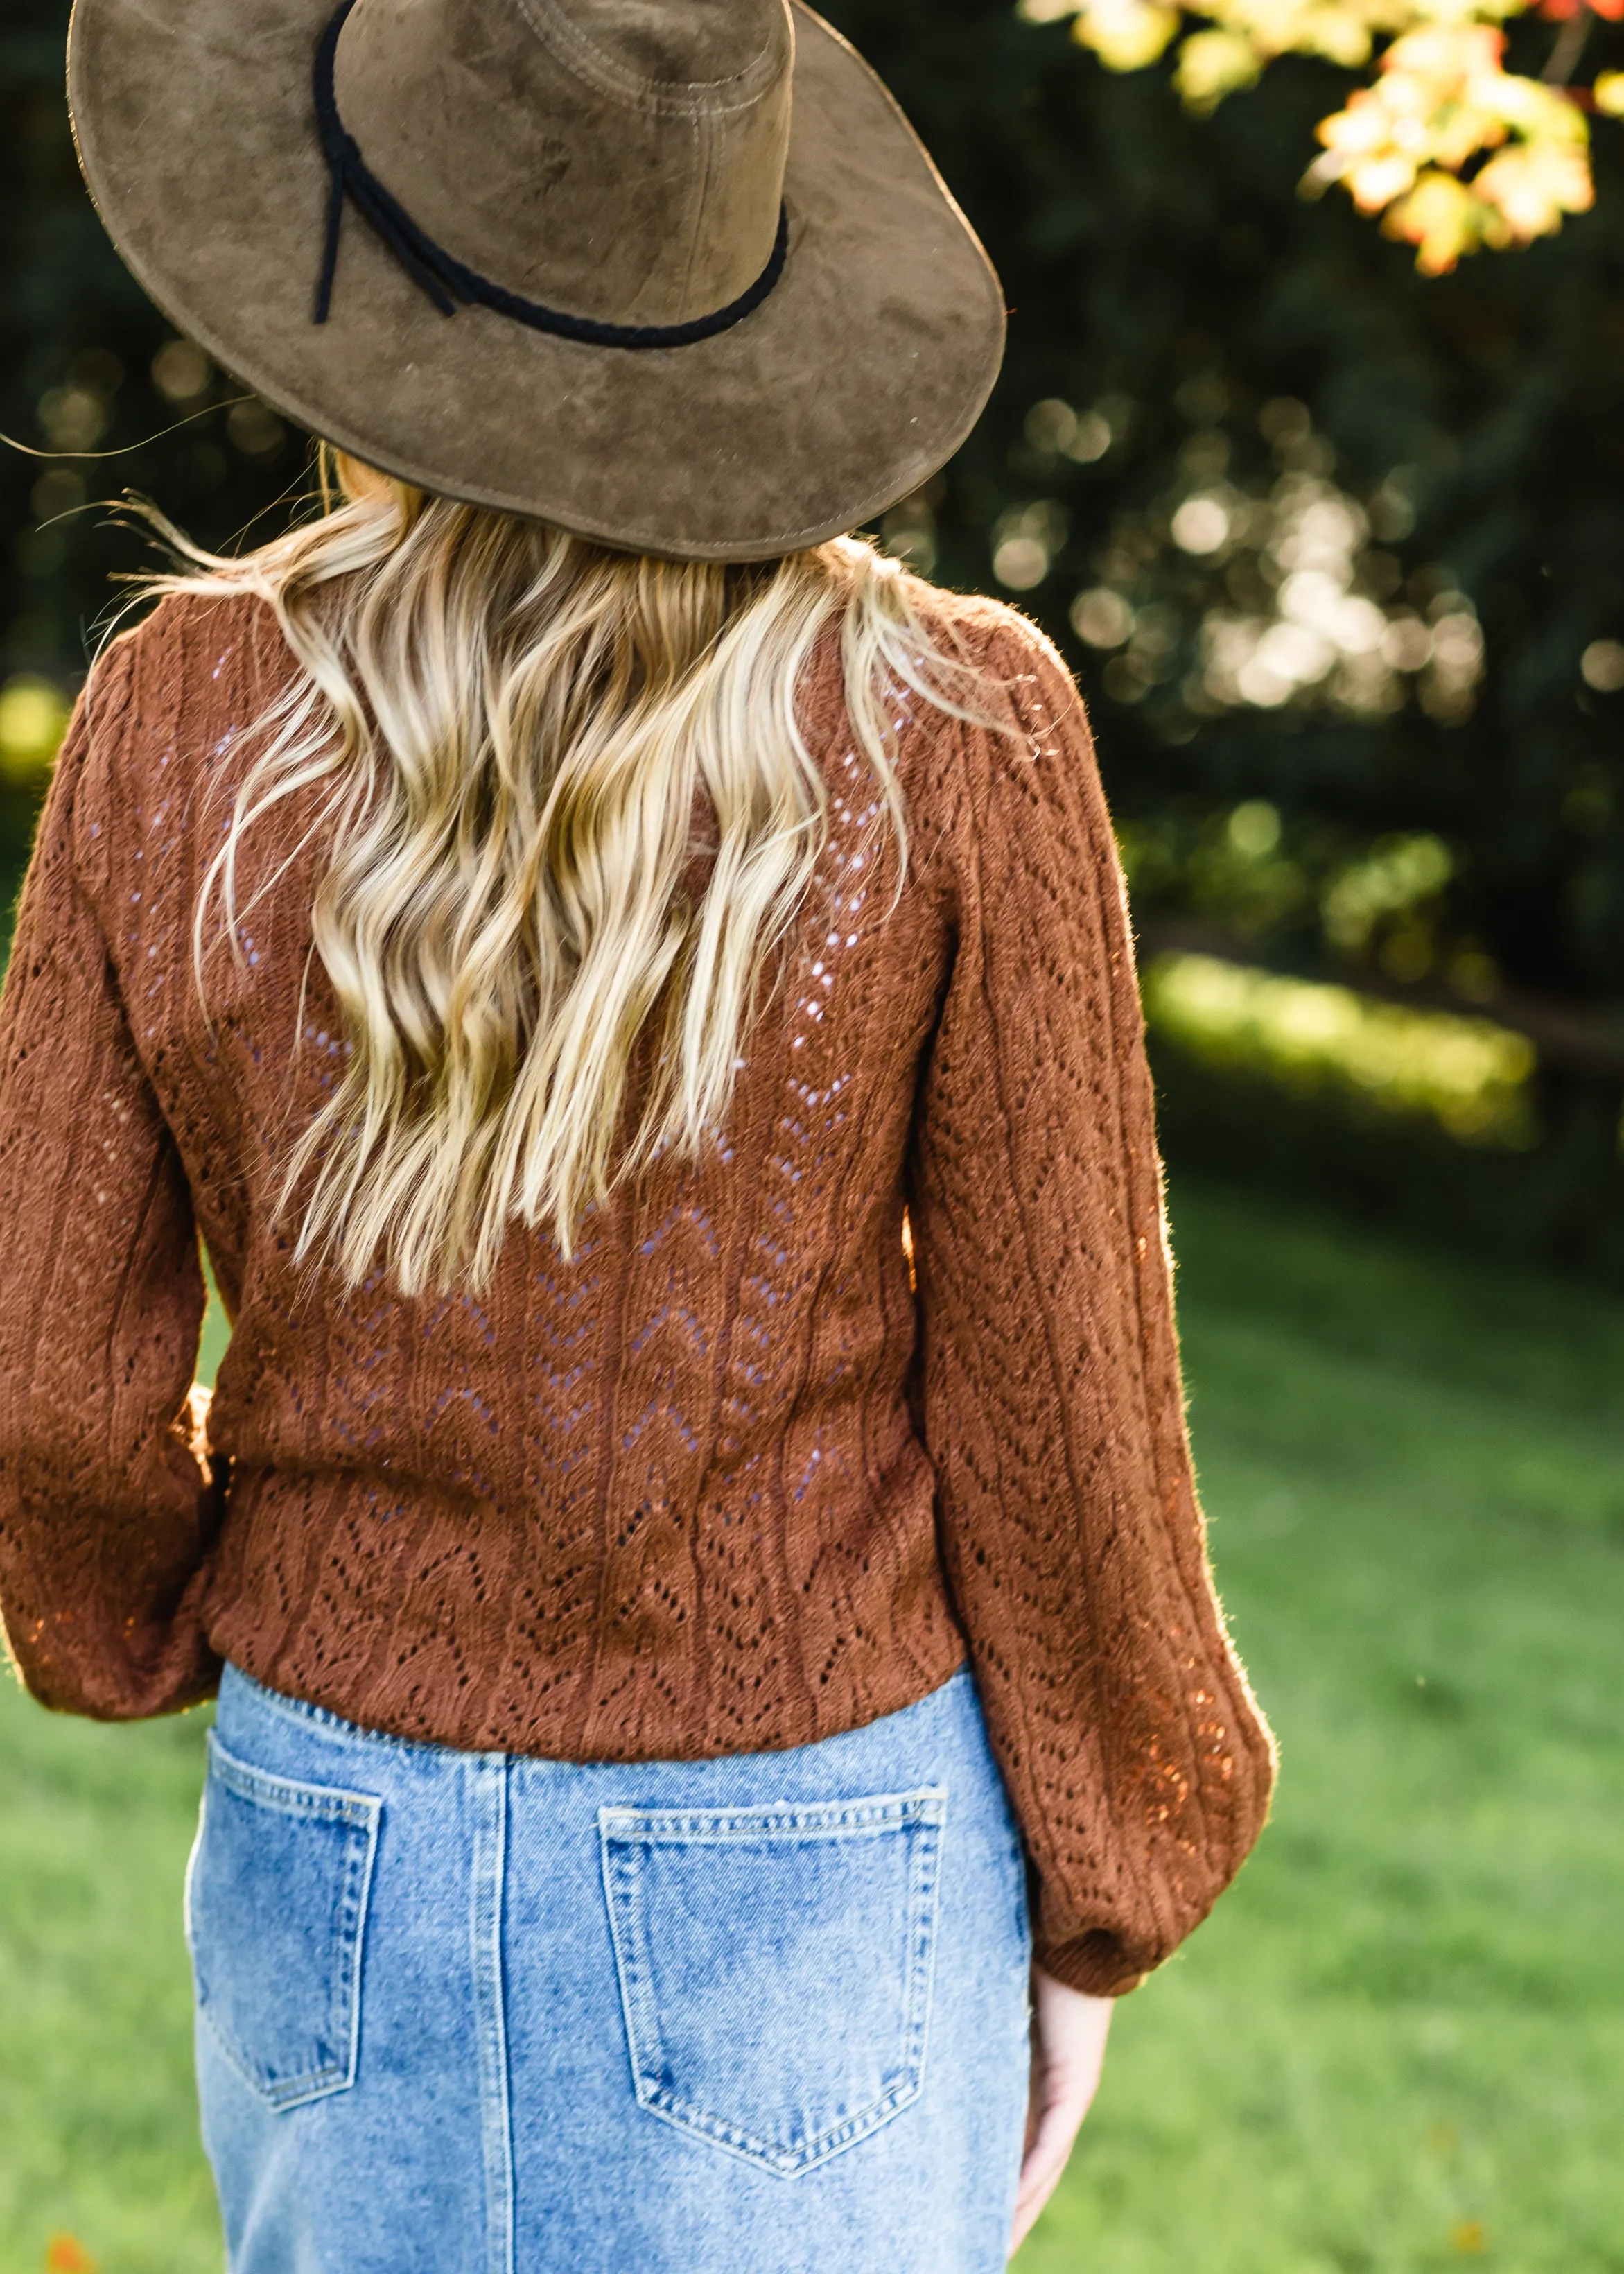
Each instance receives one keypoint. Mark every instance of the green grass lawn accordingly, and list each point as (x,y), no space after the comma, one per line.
(1400,2043)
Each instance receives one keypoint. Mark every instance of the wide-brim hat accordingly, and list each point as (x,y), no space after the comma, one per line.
(711,298)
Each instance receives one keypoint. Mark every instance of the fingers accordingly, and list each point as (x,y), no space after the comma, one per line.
(1069,2031)
(1058,2122)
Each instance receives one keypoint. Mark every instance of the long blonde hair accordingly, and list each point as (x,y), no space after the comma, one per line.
(507,728)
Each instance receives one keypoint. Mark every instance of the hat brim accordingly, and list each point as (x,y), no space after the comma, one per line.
(859,375)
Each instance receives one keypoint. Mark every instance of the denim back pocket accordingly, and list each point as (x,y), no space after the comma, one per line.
(276,1895)
(775,1967)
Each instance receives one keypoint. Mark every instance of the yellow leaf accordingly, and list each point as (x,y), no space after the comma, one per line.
(1362,129)
(1608,93)
(1440,218)
(1125,34)
(1212,65)
(1341,35)
(1375,182)
(1533,185)
(1467,2234)
(1447,54)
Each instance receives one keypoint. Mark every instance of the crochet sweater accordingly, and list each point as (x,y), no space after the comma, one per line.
(727,1480)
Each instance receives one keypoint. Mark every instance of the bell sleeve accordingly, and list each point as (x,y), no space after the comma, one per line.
(106,1508)
(1138,1764)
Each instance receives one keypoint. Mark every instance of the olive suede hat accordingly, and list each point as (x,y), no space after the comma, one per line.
(711,298)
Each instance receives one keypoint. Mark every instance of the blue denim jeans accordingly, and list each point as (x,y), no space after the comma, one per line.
(478,2013)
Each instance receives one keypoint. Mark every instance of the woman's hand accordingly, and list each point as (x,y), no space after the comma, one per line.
(1068,2049)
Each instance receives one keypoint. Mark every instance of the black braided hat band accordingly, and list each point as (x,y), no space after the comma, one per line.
(445,279)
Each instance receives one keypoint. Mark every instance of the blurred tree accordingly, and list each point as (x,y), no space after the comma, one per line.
(89,365)
(1337,549)
(1457,151)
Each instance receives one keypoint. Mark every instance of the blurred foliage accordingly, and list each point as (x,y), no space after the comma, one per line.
(89,366)
(1469,1075)
(1455,151)
(1336,548)
(1338,551)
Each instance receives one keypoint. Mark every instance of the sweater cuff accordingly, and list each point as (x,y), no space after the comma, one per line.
(1094,1964)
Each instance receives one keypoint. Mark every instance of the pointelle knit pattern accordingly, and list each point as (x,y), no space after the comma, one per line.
(723,1482)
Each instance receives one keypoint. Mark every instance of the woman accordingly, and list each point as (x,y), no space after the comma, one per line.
(711,1712)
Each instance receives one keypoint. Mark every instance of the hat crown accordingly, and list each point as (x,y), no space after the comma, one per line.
(620,159)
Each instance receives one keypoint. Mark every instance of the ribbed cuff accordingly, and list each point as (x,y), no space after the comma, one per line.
(1095,1963)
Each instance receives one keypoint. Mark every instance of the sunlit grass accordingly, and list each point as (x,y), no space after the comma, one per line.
(1470,1076)
(98,2140)
(1398,2046)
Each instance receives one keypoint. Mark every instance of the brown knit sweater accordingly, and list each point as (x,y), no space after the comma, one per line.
(722,1483)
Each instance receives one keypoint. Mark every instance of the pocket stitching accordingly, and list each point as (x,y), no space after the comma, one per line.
(692,1827)
(288,1795)
(925,1809)
(359,1812)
